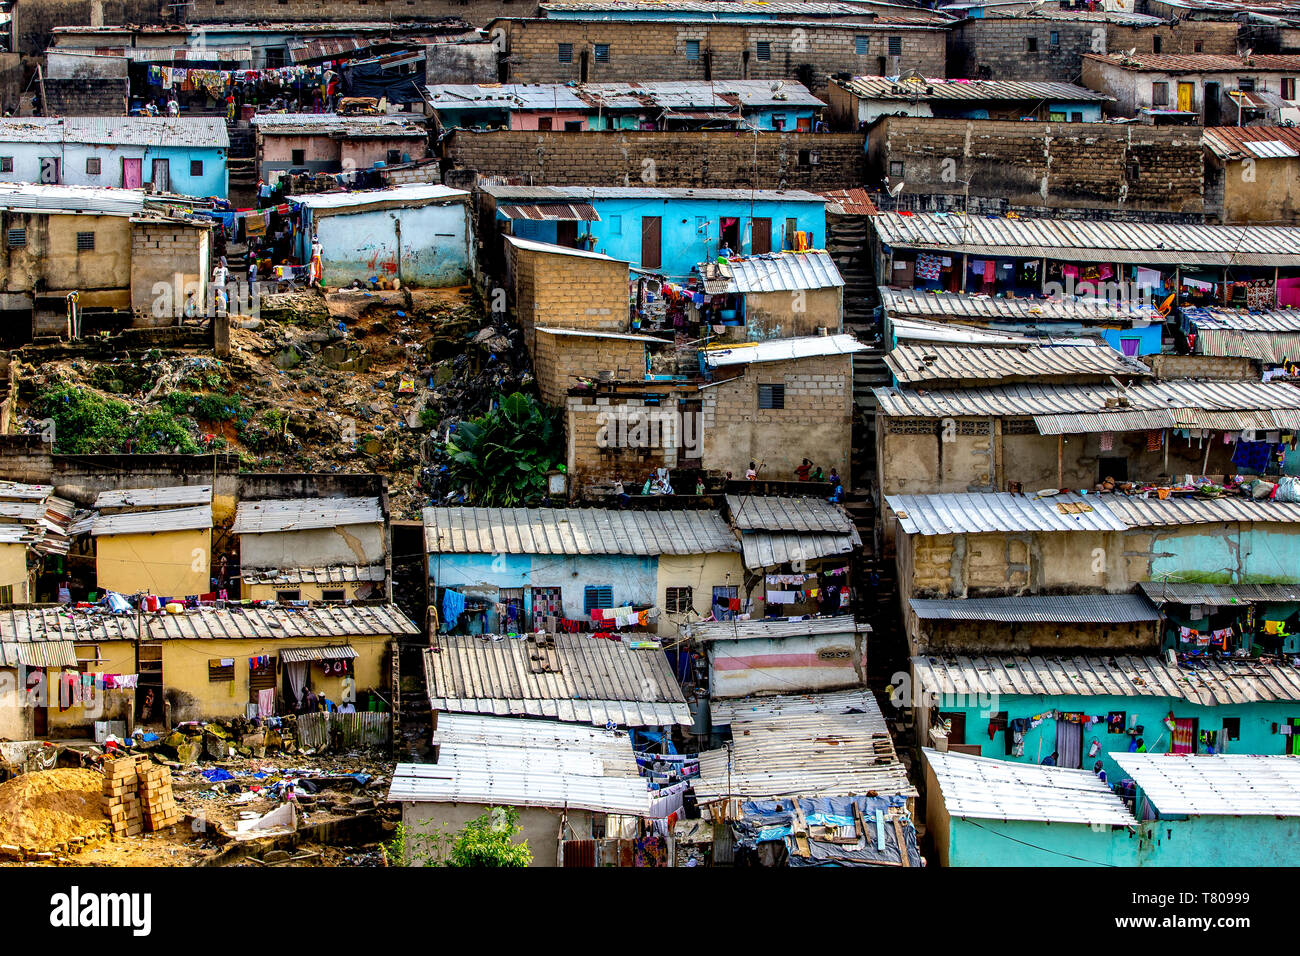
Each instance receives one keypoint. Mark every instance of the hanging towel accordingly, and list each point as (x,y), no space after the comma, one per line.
(453,606)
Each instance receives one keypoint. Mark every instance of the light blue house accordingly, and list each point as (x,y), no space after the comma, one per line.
(419,233)
(1087,709)
(500,570)
(666,231)
(185,156)
(1163,811)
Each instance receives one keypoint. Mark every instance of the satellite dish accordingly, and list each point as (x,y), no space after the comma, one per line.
(895,189)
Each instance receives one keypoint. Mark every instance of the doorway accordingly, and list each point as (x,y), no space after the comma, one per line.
(651,252)
(1116,468)
(729,234)
(760,240)
(162,179)
(149,686)
(1069,741)
(1186,97)
(1213,104)
(566,233)
(132,173)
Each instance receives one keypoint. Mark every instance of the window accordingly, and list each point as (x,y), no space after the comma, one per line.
(261,676)
(616,225)
(16,238)
(778,121)
(895,169)
(602,53)
(92,166)
(1056,117)
(1053,39)
(1076,117)
(334,595)
(771,396)
(566,53)
(573,126)
(723,596)
(1246,83)
(692,49)
(85,242)
(294,595)
(1156,44)
(895,46)
(1132,171)
(1031,44)
(1232,728)
(678,600)
(6,164)
(1198,46)
(394,157)
(861,45)
(298,157)
(597,596)
(196,167)
(1288,87)
(221,670)
(1159,94)
(764,48)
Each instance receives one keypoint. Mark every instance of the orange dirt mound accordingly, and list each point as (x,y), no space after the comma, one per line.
(50,807)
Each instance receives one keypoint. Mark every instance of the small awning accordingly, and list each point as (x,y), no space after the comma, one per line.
(551,211)
(328,652)
(38,654)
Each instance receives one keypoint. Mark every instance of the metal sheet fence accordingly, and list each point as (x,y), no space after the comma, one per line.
(363,729)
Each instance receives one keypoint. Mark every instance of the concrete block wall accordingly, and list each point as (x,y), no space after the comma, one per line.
(675,159)
(1047,165)
(562,360)
(99,96)
(656,50)
(590,426)
(560,291)
(159,254)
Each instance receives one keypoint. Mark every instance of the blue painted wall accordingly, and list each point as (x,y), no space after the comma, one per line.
(1258,554)
(210,181)
(633,578)
(683,225)
(1257,723)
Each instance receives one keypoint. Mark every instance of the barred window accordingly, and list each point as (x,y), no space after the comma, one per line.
(678,600)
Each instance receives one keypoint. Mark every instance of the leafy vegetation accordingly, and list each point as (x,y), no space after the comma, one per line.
(486,841)
(502,458)
(87,423)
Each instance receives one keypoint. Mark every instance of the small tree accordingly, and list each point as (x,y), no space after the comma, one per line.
(502,458)
(486,841)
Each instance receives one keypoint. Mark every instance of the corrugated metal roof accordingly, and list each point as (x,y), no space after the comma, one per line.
(117,130)
(954,363)
(1270,335)
(43,654)
(1207,682)
(890,88)
(1152,512)
(550,212)
(726,8)
(33,197)
(153,522)
(272,623)
(906,330)
(27,624)
(772,272)
(597,681)
(1092,240)
(595,193)
(1218,595)
(917,303)
(155,497)
(1001,511)
(671,95)
(346,574)
(1078,409)
(551,248)
(327,652)
(597,334)
(574,531)
(1200,62)
(827,745)
(849,202)
(22,491)
(1043,608)
(514,762)
(302,514)
(406,194)
(1201,785)
(1241,320)
(770,549)
(770,513)
(782,350)
(1233,142)
(707,631)
(985,788)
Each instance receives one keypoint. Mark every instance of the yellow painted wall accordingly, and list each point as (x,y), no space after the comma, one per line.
(702,573)
(118,657)
(13,571)
(185,670)
(162,562)
(15,719)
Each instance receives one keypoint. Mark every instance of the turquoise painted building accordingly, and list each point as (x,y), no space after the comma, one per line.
(1167,811)
(666,231)
(1090,709)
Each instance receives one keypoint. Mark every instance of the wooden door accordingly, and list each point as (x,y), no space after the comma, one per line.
(1186,97)
(761,240)
(651,253)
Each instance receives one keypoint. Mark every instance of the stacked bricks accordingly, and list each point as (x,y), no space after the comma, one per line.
(138,796)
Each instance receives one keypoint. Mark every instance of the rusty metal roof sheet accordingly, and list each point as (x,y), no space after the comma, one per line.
(596,681)
(176,497)
(804,745)
(1218,595)
(1207,682)
(708,631)
(575,531)
(59,623)
(550,211)
(272,623)
(892,88)
(1235,142)
(1044,608)
(912,364)
(1200,62)
(791,515)
(918,304)
(1143,243)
